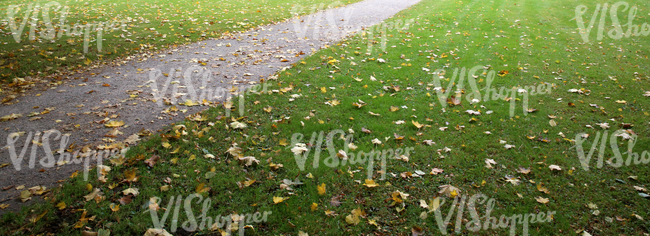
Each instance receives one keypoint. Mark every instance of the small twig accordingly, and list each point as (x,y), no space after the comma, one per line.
(7,200)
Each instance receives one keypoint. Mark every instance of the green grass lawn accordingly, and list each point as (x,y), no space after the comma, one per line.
(524,43)
(130,27)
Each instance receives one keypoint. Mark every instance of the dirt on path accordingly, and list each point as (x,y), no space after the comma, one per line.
(81,110)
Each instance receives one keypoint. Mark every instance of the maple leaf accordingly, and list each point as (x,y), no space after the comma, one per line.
(542,188)
(436,171)
(133,139)
(126,199)
(352,219)
(336,200)
(299,148)
(238,125)
(114,124)
(235,151)
(376,141)
(133,191)
(542,200)
(321,189)
(201,188)
(130,175)
(277,200)
(249,160)
(152,160)
(523,170)
(416,124)
(449,190)
(10,117)
(513,180)
(370,183)
(489,163)
(157,232)
(96,193)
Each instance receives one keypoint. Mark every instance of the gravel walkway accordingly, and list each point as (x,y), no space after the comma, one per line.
(81,108)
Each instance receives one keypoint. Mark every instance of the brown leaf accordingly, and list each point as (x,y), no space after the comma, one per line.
(152,160)
(126,199)
(336,200)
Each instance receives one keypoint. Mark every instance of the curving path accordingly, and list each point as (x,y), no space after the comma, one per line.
(80,108)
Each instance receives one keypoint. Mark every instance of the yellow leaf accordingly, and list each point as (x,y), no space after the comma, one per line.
(249,182)
(37,218)
(358,212)
(370,183)
(417,125)
(283,142)
(352,219)
(323,90)
(277,200)
(114,124)
(114,207)
(321,189)
(25,196)
(130,175)
(13,116)
(314,206)
(191,103)
(275,166)
(542,188)
(201,188)
(60,205)
(454,193)
(164,188)
(89,187)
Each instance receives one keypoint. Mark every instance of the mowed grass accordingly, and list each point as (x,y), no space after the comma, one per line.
(130,27)
(537,44)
